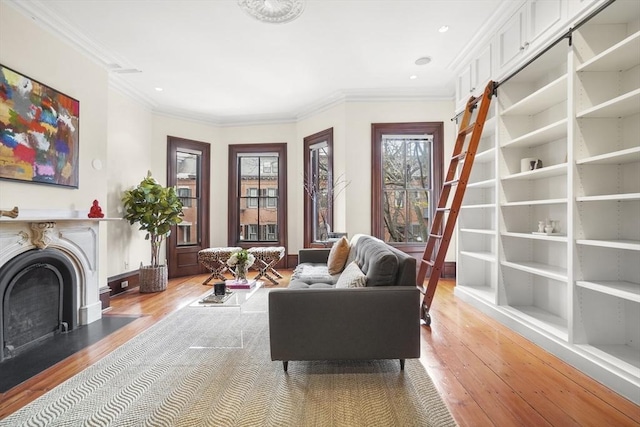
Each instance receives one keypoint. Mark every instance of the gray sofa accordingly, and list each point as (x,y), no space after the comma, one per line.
(314,320)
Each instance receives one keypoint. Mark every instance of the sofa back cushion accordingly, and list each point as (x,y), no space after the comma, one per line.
(406,268)
(377,261)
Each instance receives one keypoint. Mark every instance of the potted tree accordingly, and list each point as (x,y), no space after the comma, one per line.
(156,208)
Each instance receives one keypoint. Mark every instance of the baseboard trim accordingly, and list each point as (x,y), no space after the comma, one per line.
(105,297)
(291,260)
(449,270)
(115,282)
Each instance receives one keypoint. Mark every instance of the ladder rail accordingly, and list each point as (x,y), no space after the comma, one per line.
(444,194)
(439,235)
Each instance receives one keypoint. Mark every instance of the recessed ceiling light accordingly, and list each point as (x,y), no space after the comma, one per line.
(413,77)
(159,89)
(423,61)
(443,29)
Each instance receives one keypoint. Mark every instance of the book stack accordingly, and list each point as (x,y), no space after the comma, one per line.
(233,284)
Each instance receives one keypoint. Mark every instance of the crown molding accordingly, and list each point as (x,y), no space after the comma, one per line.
(186,115)
(127,89)
(230,121)
(335,99)
(505,10)
(259,120)
(42,15)
(320,105)
(396,95)
(46,18)
(371,95)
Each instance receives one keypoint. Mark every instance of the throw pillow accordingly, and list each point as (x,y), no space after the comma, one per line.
(352,277)
(338,256)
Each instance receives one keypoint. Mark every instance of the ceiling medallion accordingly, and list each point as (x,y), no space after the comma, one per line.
(273,11)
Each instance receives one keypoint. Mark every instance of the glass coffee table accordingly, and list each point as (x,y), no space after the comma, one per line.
(233,297)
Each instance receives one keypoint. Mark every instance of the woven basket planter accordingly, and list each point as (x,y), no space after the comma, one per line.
(153,279)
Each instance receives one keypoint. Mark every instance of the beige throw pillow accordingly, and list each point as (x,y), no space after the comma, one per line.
(352,277)
(338,256)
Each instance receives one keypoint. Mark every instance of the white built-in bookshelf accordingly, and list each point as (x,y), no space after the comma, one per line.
(606,188)
(574,290)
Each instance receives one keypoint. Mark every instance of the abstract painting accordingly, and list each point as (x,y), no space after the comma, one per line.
(39,132)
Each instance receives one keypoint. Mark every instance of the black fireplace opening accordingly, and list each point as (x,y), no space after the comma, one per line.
(38,290)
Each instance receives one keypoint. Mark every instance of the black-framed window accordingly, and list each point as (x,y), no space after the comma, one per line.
(406,180)
(188,169)
(257,183)
(318,186)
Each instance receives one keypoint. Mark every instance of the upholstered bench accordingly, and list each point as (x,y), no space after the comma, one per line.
(215,259)
(266,259)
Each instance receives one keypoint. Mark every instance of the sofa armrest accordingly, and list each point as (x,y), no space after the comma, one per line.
(352,323)
(313,255)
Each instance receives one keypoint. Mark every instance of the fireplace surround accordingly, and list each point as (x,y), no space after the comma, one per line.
(49,275)
(38,299)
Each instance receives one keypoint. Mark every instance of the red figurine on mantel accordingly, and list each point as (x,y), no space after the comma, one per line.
(95,211)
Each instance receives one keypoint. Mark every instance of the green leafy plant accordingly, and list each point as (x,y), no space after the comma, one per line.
(156,208)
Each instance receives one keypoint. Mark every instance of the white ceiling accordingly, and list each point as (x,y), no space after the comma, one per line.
(216,63)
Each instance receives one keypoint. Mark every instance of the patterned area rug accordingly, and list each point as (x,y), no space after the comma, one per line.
(210,366)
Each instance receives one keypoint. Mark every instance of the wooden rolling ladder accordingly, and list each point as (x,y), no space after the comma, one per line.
(452,206)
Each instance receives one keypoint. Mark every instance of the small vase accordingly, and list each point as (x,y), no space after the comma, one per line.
(241,273)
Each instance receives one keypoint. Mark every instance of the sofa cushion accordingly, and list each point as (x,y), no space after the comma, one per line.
(338,256)
(309,272)
(299,284)
(376,261)
(352,277)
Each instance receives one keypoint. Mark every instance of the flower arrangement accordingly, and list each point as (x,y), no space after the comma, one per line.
(241,257)
(241,260)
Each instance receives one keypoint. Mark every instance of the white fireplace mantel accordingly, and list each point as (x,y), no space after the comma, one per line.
(33,215)
(70,232)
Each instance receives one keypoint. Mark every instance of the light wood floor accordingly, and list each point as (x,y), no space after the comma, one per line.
(486,374)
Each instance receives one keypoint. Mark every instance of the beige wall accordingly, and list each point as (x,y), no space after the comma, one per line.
(128,159)
(129,139)
(32,51)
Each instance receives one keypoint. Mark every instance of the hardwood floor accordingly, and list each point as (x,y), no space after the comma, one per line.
(486,374)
